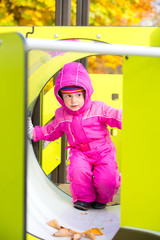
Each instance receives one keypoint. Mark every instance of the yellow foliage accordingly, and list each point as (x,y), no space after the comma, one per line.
(105,64)
(102,13)
(27,13)
(115,12)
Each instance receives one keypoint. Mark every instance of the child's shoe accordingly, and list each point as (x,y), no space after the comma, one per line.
(98,205)
(82,205)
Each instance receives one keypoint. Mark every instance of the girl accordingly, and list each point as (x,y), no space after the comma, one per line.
(93,171)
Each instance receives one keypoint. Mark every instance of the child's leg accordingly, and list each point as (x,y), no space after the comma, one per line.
(80,175)
(106,178)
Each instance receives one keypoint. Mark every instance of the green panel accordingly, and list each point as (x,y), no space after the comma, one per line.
(12,141)
(141,143)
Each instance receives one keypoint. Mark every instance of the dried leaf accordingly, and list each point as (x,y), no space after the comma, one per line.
(66,232)
(95,231)
(54,223)
(77,236)
(83,213)
(63,233)
(90,235)
(71,231)
(113,203)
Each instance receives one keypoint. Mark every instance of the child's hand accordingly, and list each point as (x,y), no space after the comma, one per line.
(29,128)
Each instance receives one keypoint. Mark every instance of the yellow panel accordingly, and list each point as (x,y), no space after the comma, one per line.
(50,104)
(116,35)
(51,156)
(22,30)
(104,86)
(30,237)
(36,59)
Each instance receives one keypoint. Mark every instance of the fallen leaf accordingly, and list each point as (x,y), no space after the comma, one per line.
(69,230)
(54,223)
(95,231)
(77,236)
(90,235)
(83,213)
(63,233)
(113,203)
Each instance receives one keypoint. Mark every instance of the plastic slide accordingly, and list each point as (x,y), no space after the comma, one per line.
(45,202)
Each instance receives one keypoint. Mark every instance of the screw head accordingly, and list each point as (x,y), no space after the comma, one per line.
(56,35)
(98,36)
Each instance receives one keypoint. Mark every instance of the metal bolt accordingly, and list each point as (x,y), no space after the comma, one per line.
(57,141)
(57,159)
(56,35)
(0,41)
(98,36)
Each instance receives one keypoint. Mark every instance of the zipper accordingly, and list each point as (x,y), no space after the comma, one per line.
(76,126)
(69,127)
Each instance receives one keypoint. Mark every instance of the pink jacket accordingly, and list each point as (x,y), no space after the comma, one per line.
(86,129)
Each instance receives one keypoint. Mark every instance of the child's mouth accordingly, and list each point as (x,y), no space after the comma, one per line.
(74,106)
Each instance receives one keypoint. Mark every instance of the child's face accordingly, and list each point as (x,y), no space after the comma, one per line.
(74,101)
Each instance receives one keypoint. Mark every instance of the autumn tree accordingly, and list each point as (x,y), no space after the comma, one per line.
(102,13)
(27,12)
(119,13)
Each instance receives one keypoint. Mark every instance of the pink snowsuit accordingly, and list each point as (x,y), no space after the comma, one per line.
(93,170)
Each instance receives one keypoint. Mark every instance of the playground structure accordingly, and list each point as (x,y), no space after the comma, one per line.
(140,157)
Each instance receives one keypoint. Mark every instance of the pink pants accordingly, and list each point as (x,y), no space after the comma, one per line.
(93,177)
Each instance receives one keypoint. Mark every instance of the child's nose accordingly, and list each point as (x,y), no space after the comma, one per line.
(73,99)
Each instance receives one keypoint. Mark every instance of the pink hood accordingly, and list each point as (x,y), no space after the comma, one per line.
(74,74)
